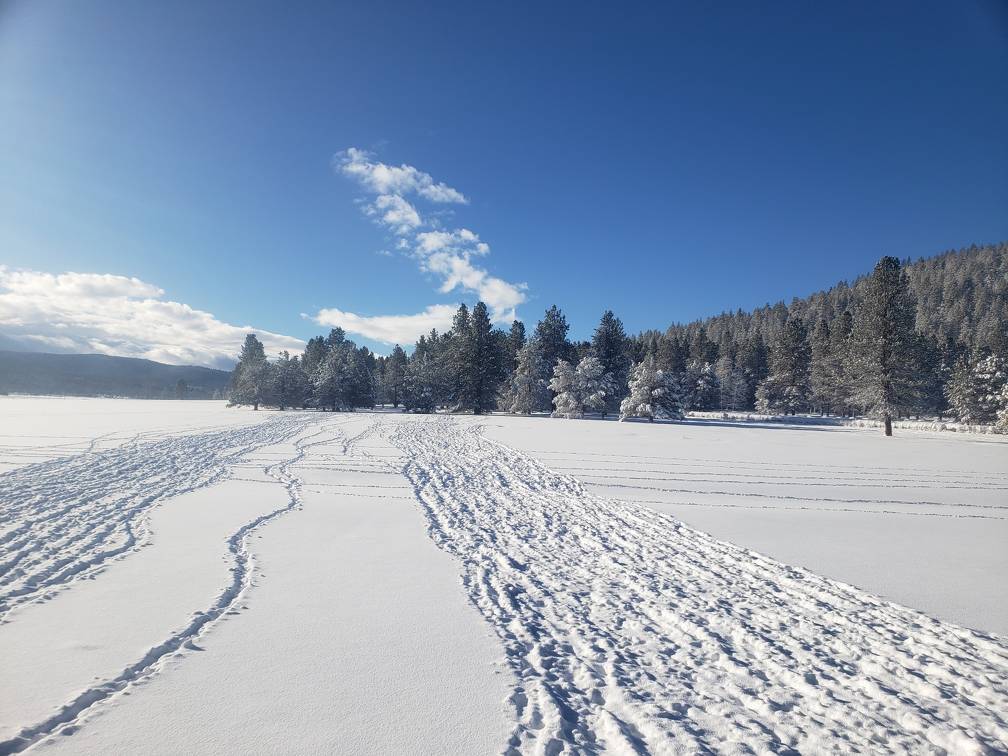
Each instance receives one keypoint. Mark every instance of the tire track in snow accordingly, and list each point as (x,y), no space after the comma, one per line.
(70,716)
(630,632)
(65,519)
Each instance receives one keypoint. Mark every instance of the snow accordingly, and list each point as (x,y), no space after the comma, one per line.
(380,582)
(921,519)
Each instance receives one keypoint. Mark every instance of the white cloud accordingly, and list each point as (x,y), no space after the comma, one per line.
(458,271)
(443,253)
(381,178)
(393,211)
(117,315)
(389,329)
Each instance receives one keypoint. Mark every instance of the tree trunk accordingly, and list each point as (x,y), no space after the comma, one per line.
(256,406)
(888,425)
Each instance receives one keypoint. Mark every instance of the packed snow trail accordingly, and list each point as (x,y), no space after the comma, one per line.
(62,520)
(630,632)
(69,716)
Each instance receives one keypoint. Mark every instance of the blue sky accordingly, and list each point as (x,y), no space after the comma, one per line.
(668,161)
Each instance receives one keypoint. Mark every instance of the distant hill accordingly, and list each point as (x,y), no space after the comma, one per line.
(101,375)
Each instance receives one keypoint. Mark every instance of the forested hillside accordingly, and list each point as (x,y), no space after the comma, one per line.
(101,375)
(925,338)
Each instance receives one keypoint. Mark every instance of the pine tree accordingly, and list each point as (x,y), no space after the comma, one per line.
(882,345)
(551,334)
(528,391)
(394,374)
(786,388)
(579,389)
(653,393)
(250,381)
(485,367)
(612,347)
(976,389)
(419,383)
(290,383)
(821,370)
(459,357)
(701,386)
(840,334)
(515,341)
(732,386)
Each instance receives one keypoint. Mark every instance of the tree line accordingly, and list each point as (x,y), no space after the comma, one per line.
(867,348)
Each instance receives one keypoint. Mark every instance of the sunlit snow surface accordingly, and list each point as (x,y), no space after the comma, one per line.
(617,627)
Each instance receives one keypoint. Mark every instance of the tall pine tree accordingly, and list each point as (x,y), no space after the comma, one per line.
(883,345)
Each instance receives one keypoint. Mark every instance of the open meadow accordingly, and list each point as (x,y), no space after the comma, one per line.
(180,577)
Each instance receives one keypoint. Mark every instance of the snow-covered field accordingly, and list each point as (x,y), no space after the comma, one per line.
(178,577)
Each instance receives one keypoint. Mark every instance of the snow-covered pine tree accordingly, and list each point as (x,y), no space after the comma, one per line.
(551,334)
(420,383)
(331,378)
(821,378)
(515,341)
(528,391)
(840,390)
(395,368)
(786,388)
(976,389)
(290,385)
(612,347)
(486,356)
(562,386)
(732,386)
(883,344)
(252,376)
(653,393)
(1001,424)
(457,359)
(580,389)
(701,385)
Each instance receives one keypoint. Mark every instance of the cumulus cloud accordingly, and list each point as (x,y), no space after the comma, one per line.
(446,254)
(393,211)
(389,329)
(117,315)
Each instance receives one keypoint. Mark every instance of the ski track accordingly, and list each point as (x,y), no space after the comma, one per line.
(632,633)
(71,715)
(65,519)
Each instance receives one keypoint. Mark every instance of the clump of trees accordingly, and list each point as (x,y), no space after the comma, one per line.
(871,347)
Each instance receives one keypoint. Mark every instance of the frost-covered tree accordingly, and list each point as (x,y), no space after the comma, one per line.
(653,393)
(515,341)
(290,384)
(732,386)
(701,389)
(577,390)
(331,378)
(612,347)
(840,388)
(821,370)
(527,390)
(394,374)
(786,388)
(551,334)
(976,390)
(883,345)
(420,383)
(252,377)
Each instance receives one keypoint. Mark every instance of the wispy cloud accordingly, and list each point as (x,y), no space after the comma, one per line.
(117,315)
(388,329)
(447,254)
(380,178)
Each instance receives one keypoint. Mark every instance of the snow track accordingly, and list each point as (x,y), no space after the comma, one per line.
(63,520)
(235,444)
(630,632)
